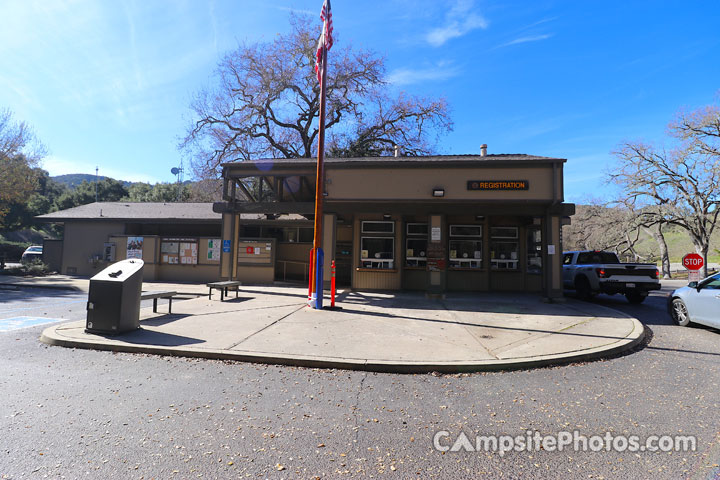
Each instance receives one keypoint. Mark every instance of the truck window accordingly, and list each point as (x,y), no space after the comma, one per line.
(591,258)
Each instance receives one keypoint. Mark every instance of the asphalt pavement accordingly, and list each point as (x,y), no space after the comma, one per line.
(83,413)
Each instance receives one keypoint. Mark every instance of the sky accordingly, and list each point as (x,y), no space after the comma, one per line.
(108,83)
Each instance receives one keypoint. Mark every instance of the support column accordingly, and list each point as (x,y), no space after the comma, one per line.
(436,256)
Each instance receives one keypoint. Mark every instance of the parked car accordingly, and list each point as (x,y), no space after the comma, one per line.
(699,302)
(32,253)
(590,272)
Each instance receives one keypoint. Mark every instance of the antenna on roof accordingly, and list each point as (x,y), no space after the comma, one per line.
(178,172)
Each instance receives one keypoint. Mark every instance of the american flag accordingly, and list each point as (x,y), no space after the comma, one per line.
(326,39)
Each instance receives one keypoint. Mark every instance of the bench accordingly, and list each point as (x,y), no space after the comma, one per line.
(223,287)
(154,295)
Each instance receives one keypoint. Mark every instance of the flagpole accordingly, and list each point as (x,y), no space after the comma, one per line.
(316,268)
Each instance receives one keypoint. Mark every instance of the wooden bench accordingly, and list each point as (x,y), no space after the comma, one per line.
(154,295)
(223,287)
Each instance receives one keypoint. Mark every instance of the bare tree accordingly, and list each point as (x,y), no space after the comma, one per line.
(266,104)
(601,226)
(681,186)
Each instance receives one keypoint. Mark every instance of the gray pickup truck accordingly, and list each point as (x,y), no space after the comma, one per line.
(591,272)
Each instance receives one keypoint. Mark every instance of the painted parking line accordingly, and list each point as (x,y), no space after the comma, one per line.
(16,323)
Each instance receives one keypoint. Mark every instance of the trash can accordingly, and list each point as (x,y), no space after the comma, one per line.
(114,298)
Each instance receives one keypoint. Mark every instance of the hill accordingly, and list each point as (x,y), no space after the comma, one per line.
(72,180)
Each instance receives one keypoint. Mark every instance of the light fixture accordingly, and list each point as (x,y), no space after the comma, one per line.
(386,216)
(438,192)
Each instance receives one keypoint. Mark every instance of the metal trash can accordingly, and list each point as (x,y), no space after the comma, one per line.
(114,298)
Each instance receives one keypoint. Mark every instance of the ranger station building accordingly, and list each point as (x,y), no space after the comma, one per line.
(480,223)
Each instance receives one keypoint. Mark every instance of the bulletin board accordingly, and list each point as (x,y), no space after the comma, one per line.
(213,249)
(256,251)
(169,252)
(188,253)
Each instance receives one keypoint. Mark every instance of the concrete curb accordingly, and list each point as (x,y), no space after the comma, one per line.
(51,336)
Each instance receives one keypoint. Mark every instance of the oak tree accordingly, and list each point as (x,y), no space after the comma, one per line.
(680,186)
(265,104)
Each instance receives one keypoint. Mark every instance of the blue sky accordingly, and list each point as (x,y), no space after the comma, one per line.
(109,83)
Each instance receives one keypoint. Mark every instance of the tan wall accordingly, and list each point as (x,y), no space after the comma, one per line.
(188,273)
(404,184)
(82,241)
(52,254)
(154,270)
(255,274)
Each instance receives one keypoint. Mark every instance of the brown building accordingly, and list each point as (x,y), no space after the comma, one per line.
(441,223)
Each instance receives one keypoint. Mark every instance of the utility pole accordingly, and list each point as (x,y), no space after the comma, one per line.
(96,184)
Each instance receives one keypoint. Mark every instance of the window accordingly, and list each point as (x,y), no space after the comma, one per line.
(416,245)
(378,227)
(567,259)
(590,258)
(465,246)
(377,252)
(504,248)
(534,250)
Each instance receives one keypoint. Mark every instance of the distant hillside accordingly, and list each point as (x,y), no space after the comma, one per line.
(72,180)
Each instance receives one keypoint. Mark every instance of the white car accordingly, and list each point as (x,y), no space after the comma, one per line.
(32,253)
(699,302)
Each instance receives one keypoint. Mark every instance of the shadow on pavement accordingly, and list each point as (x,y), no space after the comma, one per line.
(163,319)
(150,337)
(346,310)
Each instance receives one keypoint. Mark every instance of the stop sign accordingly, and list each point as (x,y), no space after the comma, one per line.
(692,261)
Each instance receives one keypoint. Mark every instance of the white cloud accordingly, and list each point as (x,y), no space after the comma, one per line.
(407,76)
(532,38)
(459,21)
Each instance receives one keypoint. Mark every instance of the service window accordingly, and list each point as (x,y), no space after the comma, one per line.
(416,244)
(465,246)
(534,250)
(377,252)
(504,248)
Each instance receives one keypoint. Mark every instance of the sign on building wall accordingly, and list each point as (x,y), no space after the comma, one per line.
(498,185)
(213,250)
(134,247)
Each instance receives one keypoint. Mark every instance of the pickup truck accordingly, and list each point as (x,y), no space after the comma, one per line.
(590,272)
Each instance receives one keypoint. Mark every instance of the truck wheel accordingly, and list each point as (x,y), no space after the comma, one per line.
(635,297)
(582,288)
(679,313)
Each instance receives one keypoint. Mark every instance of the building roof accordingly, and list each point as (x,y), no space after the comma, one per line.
(155,212)
(391,161)
(136,211)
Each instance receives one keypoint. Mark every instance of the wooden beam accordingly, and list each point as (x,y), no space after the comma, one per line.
(245,192)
